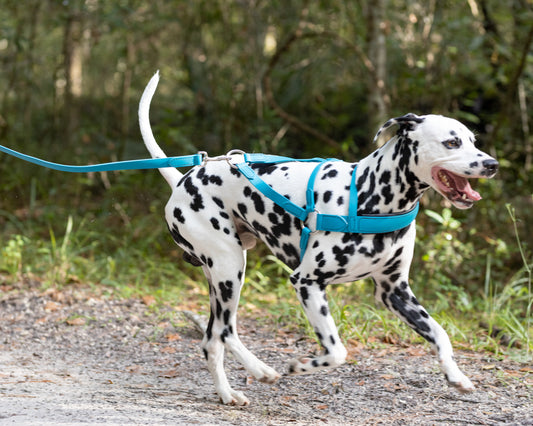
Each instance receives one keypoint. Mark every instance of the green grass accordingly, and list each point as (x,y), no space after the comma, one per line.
(134,258)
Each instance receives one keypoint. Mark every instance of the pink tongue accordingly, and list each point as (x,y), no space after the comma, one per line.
(464,186)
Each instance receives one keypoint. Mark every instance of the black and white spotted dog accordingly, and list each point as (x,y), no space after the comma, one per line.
(215,215)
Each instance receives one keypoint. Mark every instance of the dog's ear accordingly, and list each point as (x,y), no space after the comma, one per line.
(405,122)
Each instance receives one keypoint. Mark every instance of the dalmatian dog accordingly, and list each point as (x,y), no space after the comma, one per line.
(215,215)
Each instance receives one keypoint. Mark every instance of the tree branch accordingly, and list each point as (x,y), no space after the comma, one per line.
(267,86)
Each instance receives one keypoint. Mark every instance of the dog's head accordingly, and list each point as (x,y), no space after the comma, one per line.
(443,154)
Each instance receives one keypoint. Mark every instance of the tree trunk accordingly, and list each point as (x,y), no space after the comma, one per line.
(378,98)
(73,69)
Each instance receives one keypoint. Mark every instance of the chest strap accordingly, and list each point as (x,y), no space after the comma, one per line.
(312,220)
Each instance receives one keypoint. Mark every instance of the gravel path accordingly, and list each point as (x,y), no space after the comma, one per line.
(70,357)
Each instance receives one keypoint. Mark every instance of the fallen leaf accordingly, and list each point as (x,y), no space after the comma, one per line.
(416,351)
(526,370)
(488,367)
(173,337)
(354,347)
(387,376)
(168,350)
(148,300)
(76,321)
(51,306)
(322,407)
(513,373)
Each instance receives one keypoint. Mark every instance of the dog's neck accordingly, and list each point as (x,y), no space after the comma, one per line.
(386,182)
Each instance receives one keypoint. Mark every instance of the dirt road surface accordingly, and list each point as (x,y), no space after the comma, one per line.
(71,357)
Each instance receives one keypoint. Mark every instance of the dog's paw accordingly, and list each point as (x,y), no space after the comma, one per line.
(270,376)
(234,397)
(464,385)
(303,365)
(310,364)
(460,382)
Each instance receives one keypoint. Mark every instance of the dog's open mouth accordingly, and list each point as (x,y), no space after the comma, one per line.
(455,188)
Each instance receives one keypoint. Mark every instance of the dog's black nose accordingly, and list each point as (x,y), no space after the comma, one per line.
(491,166)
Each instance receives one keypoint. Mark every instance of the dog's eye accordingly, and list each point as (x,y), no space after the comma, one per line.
(452,143)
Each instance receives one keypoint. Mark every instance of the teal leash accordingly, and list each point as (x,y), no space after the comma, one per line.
(143,164)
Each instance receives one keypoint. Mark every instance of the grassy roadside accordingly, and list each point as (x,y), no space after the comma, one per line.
(137,259)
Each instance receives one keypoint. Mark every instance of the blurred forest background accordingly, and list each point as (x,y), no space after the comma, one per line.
(301,78)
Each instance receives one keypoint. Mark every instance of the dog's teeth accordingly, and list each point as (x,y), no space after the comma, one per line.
(444,179)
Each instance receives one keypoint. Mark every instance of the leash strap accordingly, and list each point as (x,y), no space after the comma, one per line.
(148,163)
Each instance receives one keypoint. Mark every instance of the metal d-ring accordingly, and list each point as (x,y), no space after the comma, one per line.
(233,152)
(303,223)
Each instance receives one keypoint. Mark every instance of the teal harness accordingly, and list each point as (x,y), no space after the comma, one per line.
(312,220)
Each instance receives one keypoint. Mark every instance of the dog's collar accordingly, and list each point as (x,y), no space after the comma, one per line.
(312,220)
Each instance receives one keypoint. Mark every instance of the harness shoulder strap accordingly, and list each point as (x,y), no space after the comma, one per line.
(267,191)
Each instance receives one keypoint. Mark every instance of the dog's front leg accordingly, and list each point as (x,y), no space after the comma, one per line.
(398,297)
(312,296)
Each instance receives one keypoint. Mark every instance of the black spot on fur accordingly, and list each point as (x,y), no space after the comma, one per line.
(226,290)
(385,177)
(219,309)
(243,210)
(208,179)
(192,259)
(330,174)
(282,227)
(179,239)
(258,203)
(342,255)
(387,194)
(179,215)
(218,202)
(304,295)
(197,203)
(264,169)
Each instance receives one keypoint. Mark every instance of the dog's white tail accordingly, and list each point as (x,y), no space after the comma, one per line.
(171,174)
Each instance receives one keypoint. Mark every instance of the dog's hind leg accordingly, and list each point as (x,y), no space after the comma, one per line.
(226,276)
(312,296)
(394,292)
